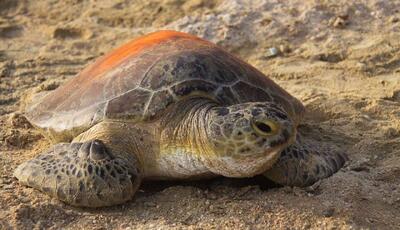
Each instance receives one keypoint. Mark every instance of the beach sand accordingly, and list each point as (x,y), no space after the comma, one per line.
(340,58)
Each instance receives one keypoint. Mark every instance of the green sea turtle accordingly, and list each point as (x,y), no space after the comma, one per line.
(168,105)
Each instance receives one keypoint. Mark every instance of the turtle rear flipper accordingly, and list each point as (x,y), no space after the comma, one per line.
(305,162)
(81,174)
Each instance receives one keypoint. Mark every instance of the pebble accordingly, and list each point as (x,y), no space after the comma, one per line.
(125,226)
(272,52)
(67,33)
(8,187)
(366,117)
(6,69)
(5,181)
(39,78)
(328,212)
(284,49)
(339,22)
(48,86)
(391,133)
(393,19)
(150,204)
(369,220)
(24,199)
(361,66)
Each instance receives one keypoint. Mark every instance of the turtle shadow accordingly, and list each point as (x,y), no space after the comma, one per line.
(149,190)
(152,187)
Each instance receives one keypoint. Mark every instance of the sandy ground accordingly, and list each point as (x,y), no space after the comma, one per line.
(341,58)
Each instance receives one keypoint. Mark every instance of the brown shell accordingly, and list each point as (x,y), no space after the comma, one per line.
(139,80)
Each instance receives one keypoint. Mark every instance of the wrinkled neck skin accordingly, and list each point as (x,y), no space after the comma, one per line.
(190,133)
(183,142)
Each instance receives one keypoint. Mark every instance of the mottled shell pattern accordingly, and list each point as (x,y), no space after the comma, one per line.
(142,78)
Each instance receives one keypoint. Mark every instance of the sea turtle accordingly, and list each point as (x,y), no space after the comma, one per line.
(168,105)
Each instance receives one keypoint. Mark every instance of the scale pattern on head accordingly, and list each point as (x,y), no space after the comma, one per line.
(250,129)
(140,80)
(245,139)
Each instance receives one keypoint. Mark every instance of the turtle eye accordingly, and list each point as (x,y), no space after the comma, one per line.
(97,150)
(265,127)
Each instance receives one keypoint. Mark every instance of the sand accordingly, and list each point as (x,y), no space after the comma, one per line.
(340,58)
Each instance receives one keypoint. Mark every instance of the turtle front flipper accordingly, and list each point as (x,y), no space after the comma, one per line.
(81,174)
(305,162)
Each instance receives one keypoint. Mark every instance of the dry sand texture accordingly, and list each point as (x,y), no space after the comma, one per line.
(341,58)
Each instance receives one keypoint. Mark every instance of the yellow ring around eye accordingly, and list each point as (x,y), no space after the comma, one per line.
(265,127)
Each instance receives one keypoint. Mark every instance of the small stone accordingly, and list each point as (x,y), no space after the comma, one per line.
(24,199)
(343,15)
(369,220)
(150,204)
(391,132)
(361,66)
(8,187)
(360,168)
(284,49)
(272,52)
(339,22)
(5,181)
(67,33)
(7,69)
(357,12)
(331,21)
(366,117)
(328,212)
(48,86)
(39,78)
(393,19)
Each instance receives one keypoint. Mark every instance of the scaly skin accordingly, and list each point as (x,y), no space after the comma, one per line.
(168,106)
(97,169)
(105,165)
(224,138)
(110,159)
(305,162)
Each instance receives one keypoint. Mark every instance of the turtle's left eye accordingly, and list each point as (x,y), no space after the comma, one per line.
(265,127)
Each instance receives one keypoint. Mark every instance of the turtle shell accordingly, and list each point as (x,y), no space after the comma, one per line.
(139,80)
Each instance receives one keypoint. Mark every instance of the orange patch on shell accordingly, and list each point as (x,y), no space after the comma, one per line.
(118,55)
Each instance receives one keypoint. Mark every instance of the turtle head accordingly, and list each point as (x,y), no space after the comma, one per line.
(246,139)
